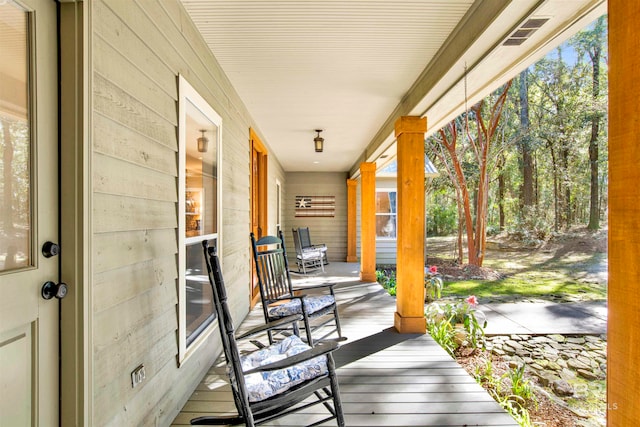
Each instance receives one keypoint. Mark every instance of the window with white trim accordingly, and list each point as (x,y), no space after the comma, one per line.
(278,204)
(200,129)
(386,214)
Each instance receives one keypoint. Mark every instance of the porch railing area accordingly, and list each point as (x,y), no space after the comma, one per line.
(386,378)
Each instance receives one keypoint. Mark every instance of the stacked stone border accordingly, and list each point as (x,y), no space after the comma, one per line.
(554,360)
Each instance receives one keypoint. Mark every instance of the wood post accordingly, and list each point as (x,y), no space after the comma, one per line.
(409,316)
(368,222)
(623,334)
(352,186)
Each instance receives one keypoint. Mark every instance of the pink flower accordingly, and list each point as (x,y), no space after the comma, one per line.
(433,269)
(472,301)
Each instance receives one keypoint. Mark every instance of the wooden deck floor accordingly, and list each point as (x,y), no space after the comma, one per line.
(386,378)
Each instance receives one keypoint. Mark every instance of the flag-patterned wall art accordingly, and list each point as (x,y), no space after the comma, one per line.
(315,206)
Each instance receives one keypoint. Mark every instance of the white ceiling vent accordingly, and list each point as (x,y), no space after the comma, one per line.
(525,31)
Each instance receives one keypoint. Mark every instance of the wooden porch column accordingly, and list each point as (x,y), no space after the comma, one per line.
(409,316)
(623,334)
(352,185)
(368,222)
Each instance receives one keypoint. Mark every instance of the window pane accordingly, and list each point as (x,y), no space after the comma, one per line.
(385,202)
(386,214)
(201,198)
(199,295)
(386,226)
(15,141)
(382,202)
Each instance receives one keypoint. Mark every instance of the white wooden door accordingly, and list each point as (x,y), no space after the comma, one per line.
(29,330)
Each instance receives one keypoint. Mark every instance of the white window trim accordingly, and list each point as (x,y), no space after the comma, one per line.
(187,92)
(388,190)
(278,205)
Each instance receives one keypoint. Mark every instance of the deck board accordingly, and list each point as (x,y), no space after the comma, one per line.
(386,378)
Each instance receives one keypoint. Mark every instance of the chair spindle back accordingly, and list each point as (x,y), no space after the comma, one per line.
(227,330)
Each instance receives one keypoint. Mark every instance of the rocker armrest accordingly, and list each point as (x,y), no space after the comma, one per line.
(319,349)
(270,325)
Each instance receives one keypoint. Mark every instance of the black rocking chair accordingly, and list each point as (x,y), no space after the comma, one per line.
(309,258)
(280,299)
(273,381)
(305,243)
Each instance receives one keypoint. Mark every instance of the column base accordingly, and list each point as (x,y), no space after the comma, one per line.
(352,259)
(368,277)
(410,325)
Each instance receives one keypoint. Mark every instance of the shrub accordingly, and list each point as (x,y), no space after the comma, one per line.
(461,313)
(387,280)
(433,284)
(520,386)
(444,334)
(514,399)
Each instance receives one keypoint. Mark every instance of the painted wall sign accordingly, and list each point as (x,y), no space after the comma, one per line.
(307,206)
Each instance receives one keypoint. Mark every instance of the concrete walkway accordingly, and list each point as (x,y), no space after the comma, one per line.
(544,318)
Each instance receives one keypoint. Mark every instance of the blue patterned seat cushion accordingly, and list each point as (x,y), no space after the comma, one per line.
(311,305)
(263,385)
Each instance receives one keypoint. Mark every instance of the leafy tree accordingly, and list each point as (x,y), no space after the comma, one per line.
(536,166)
(442,214)
(592,42)
(472,152)
(525,141)
(556,104)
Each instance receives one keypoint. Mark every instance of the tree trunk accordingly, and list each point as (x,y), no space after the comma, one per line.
(536,184)
(461,183)
(460,226)
(566,185)
(594,208)
(476,235)
(502,189)
(525,143)
(556,190)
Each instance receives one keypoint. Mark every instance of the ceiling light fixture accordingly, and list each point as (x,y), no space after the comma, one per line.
(318,142)
(203,142)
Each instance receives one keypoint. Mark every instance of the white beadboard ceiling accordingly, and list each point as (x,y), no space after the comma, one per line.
(351,67)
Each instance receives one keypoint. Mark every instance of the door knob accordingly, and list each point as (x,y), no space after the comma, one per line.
(50,249)
(51,289)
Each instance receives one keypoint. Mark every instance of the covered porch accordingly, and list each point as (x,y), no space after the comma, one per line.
(114,136)
(386,378)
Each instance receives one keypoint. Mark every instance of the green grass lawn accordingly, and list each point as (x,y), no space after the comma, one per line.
(569,274)
(537,288)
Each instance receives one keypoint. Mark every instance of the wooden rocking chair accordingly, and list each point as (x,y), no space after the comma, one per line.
(305,243)
(281,299)
(310,257)
(273,381)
